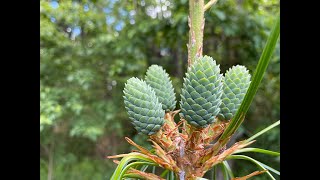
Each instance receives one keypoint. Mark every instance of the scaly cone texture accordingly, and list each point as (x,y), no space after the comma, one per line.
(201,92)
(159,80)
(143,106)
(236,84)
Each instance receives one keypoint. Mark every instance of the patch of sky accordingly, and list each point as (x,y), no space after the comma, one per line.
(107,10)
(52,19)
(119,26)
(123,12)
(54,4)
(132,12)
(76,31)
(86,7)
(110,20)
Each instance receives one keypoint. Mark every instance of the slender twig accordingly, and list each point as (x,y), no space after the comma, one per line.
(209,4)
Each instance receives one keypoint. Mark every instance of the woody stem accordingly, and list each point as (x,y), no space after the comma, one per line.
(196,25)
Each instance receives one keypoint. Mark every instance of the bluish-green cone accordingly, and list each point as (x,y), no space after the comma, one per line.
(159,80)
(201,92)
(143,106)
(236,84)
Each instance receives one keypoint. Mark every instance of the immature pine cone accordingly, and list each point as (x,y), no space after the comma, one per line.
(236,84)
(159,80)
(201,92)
(144,109)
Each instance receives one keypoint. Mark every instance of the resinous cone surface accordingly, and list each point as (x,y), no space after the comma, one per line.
(235,85)
(201,92)
(159,80)
(143,107)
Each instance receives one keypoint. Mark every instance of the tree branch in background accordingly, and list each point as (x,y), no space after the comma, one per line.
(209,4)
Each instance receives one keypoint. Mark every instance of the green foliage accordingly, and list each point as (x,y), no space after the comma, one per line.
(160,81)
(201,93)
(70,168)
(51,110)
(235,85)
(124,165)
(143,107)
(73,84)
(256,80)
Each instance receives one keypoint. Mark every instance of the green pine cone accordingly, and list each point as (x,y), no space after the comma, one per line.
(159,80)
(236,84)
(143,106)
(201,92)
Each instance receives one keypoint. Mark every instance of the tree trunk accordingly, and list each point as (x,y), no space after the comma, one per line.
(50,163)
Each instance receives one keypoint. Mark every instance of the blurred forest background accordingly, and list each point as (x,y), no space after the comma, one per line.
(89,48)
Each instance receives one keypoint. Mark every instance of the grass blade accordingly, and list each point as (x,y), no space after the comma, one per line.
(258,150)
(132,176)
(154,170)
(143,168)
(165,172)
(224,171)
(227,167)
(261,165)
(213,173)
(264,131)
(270,168)
(256,80)
(171,175)
(125,161)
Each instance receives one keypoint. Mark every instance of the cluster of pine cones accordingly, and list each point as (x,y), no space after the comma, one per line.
(206,95)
